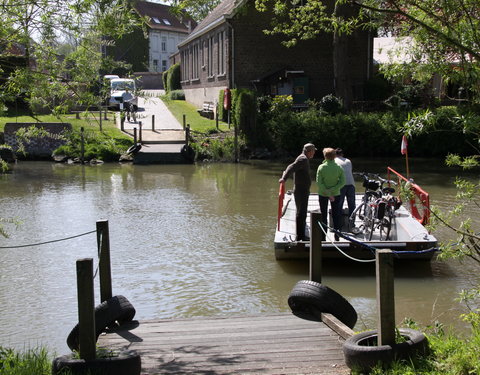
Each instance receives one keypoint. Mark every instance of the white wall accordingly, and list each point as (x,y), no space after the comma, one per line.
(170,41)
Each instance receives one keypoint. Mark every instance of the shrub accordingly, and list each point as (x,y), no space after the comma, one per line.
(165,80)
(244,115)
(331,104)
(173,78)
(222,112)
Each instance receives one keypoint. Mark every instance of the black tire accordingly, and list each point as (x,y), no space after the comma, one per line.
(385,227)
(134,148)
(311,298)
(116,309)
(134,115)
(124,363)
(188,153)
(362,353)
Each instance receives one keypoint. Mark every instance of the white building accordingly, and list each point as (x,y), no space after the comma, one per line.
(165,32)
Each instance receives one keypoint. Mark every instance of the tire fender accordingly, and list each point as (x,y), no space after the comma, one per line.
(314,298)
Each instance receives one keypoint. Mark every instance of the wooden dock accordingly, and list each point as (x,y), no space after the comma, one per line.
(263,344)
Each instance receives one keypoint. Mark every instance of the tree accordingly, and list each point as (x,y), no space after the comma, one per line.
(41,28)
(444,33)
(197,9)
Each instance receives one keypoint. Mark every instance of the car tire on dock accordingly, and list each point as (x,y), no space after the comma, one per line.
(362,352)
(312,298)
(116,309)
(123,363)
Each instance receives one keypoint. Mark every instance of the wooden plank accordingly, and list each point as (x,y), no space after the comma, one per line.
(263,344)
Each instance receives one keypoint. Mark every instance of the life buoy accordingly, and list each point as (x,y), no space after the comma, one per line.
(227,99)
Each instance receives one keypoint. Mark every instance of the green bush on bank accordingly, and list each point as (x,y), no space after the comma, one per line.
(34,361)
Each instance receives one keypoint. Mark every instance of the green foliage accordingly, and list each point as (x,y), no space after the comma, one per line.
(222,112)
(331,104)
(377,88)
(244,115)
(216,149)
(177,95)
(34,361)
(4,167)
(96,146)
(165,80)
(173,78)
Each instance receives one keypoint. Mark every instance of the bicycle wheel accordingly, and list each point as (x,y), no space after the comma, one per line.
(369,222)
(386,224)
(356,212)
(128,115)
(134,115)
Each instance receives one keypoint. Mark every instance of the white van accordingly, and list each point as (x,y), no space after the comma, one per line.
(121,91)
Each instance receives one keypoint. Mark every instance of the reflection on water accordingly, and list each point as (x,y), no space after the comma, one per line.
(188,240)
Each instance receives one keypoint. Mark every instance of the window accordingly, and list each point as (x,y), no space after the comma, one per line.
(164,65)
(221,53)
(210,56)
(167,22)
(156,20)
(164,44)
(155,65)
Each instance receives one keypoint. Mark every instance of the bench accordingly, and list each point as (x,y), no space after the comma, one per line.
(207,110)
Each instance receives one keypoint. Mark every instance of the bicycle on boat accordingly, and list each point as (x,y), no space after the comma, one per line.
(377,209)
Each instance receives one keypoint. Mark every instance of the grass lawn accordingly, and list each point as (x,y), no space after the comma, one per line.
(196,122)
(89,121)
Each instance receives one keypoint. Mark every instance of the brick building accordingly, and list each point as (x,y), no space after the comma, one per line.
(229,49)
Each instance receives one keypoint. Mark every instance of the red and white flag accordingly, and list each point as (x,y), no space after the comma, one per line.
(403,147)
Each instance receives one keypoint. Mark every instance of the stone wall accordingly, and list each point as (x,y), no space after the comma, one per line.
(149,80)
(38,147)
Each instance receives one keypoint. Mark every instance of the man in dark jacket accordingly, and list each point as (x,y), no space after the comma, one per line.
(300,169)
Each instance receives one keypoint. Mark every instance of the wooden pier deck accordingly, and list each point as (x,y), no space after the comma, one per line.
(263,344)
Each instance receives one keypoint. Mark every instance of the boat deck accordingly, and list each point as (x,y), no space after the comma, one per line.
(407,235)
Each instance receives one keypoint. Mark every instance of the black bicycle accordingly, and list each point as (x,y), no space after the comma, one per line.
(377,201)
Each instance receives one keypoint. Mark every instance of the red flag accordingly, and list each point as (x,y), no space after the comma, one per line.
(403,147)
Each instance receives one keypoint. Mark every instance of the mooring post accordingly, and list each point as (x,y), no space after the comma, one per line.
(315,246)
(184,121)
(104,268)
(385,297)
(134,136)
(153,122)
(187,134)
(216,118)
(140,132)
(122,121)
(86,309)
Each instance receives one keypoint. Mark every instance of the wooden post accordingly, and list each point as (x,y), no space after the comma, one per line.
(140,132)
(315,246)
(216,118)
(122,121)
(104,268)
(100,117)
(187,134)
(105,113)
(134,136)
(86,309)
(184,121)
(153,122)
(385,297)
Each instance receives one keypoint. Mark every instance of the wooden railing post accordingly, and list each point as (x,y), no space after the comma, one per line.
(86,309)
(103,242)
(184,121)
(315,246)
(140,132)
(134,136)
(385,297)
(153,122)
(187,134)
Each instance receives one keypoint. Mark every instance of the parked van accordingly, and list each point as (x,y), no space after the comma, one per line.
(122,90)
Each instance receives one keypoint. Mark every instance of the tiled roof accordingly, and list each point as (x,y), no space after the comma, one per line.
(223,10)
(162,19)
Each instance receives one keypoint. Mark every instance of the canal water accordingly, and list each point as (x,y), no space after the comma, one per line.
(186,241)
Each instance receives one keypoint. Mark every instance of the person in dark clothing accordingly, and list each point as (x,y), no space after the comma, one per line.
(300,169)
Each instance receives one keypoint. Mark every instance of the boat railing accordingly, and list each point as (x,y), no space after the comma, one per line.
(419,202)
(281,195)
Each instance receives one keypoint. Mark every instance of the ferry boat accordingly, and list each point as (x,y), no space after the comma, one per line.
(409,238)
